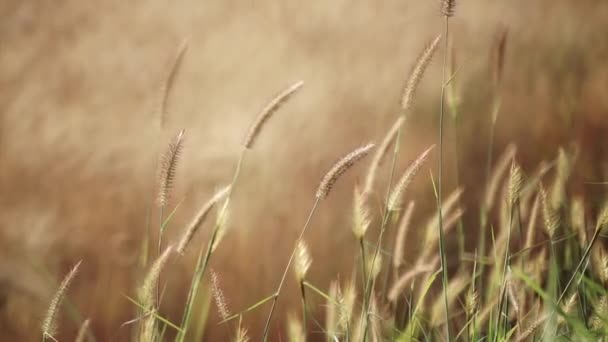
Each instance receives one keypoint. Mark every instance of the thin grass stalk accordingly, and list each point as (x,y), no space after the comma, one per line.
(284,276)
(369,287)
(362,252)
(442,256)
(304,307)
(388,192)
(201,266)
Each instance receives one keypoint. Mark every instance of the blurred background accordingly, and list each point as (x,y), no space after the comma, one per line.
(79,139)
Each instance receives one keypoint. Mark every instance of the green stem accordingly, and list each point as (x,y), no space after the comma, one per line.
(293,253)
(201,264)
(440,188)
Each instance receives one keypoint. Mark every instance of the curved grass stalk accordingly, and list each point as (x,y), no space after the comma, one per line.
(275,296)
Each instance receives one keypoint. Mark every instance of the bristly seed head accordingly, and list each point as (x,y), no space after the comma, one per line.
(302,261)
(218,296)
(405,180)
(602,218)
(49,325)
(168,169)
(416,75)
(339,168)
(361,215)
(447,7)
(146,294)
(515,183)
(381,152)
(199,219)
(271,108)
(550,217)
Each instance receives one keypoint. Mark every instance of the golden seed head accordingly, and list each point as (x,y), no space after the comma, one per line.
(199,219)
(447,7)
(168,169)
(361,215)
(49,325)
(422,62)
(218,296)
(272,107)
(340,168)
(396,195)
(515,183)
(550,217)
(381,152)
(303,260)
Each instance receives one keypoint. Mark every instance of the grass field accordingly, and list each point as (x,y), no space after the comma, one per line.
(361,171)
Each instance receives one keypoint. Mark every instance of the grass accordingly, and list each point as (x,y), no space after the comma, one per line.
(534,280)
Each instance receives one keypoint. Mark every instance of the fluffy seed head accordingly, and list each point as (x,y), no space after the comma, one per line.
(295,330)
(339,168)
(221,224)
(495,179)
(218,296)
(601,313)
(447,7)
(271,108)
(577,220)
(332,312)
(381,152)
(471,302)
(168,169)
(199,219)
(515,183)
(416,75)
(405,180)
(602,218)
(361,215)
(302,261)
(374,266)
(401,234)
(531,229)
(550,217)
(511,291)
(146,293)
(558,188)
(49,325)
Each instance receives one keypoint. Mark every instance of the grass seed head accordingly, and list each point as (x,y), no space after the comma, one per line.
(302,261)
(422,62)
(199,219)
(361,215)
(447,7)
(146,293)
(272,107)
(340,168)
(396,195)
(381,152)
(515,183)
(49,324)
(550,217)
(168,169)
(218,296)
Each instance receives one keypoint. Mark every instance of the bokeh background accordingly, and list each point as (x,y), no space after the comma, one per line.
(79,93)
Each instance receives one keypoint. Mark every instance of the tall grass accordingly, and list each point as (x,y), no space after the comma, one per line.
(543,276)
